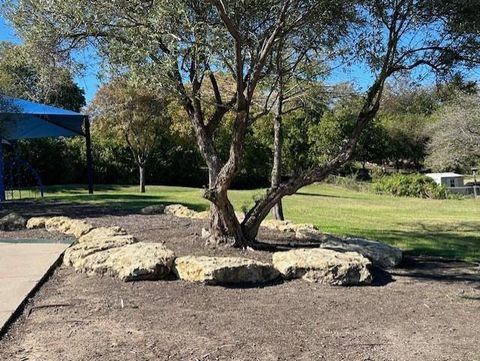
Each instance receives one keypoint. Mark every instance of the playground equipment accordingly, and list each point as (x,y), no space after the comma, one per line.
(22,119)
(21,179)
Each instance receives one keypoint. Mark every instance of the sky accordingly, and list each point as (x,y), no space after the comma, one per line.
(88,81)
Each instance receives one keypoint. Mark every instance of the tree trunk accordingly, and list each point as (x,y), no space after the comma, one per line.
(225,229)
(224,225)
(276,177)
(277,211)
(141,171)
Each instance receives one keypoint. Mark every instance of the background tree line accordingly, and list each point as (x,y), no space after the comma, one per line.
(410,133)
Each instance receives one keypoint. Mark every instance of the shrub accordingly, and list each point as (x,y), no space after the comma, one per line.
(348,182)
(412,185)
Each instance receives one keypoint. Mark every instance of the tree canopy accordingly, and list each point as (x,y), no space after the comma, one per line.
(24,76)
(133,116)
(455,139)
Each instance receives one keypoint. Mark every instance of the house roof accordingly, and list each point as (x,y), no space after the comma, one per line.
(444,175)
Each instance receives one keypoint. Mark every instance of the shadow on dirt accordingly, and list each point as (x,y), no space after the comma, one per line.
(437,269)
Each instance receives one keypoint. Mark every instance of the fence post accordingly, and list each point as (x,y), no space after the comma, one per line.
(88,143)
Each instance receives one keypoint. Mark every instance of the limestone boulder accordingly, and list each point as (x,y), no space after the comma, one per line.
(206,214)
(97,240)
(310,234)
(100,234)
(68,225)
(277,225)
(200,215)
(36,222)
(133,262)
(324,266)
(380,254)
(154,209)
(223,270)
(180,210)
(57,224)
(12,222)
(287,226)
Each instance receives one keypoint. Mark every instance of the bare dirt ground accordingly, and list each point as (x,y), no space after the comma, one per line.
(428,309)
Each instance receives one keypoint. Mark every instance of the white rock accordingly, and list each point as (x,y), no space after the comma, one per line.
(36,222)
(286,226)
(97,240)
(223,270)
(67,225)
(380,254)
(133,262)
(180,210)
(324,266)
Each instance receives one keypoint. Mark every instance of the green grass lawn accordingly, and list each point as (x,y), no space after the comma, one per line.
(448,228)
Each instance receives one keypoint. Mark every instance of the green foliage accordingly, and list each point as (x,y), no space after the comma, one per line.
(411,185)
(348,182)
(405,138)
(455,137)
(23,75)
(334,129)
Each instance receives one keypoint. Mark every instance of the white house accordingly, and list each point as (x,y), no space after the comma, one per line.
(449,180)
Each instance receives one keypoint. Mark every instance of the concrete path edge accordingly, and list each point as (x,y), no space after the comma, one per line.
(21,307)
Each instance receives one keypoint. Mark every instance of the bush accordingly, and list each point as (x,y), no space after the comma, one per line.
(349,182)
(413,185)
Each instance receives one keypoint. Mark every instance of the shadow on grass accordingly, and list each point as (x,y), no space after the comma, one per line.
(308,194)
(86,205)
(82,188)
(434,241)
(451,227)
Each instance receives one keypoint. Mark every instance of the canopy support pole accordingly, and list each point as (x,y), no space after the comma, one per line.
(88,143)
(2,168)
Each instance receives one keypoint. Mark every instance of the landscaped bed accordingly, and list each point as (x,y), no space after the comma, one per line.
(426,310)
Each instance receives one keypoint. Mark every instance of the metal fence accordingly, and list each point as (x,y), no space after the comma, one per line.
(468,190)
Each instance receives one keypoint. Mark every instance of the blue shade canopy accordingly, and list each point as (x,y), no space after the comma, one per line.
(23,119)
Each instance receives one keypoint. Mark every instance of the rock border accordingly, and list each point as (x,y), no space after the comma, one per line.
(112,251)
(380,254)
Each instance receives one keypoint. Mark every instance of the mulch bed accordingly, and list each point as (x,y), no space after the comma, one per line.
(428,309)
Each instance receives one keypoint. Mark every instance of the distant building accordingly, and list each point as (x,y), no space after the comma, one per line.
(449,180)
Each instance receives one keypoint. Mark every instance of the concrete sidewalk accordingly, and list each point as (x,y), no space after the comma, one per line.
(22,267)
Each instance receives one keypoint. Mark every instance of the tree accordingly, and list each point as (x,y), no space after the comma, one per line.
(22,75)
(455,138)
(182,41)
(406,116)
(133,115)
(294,84)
